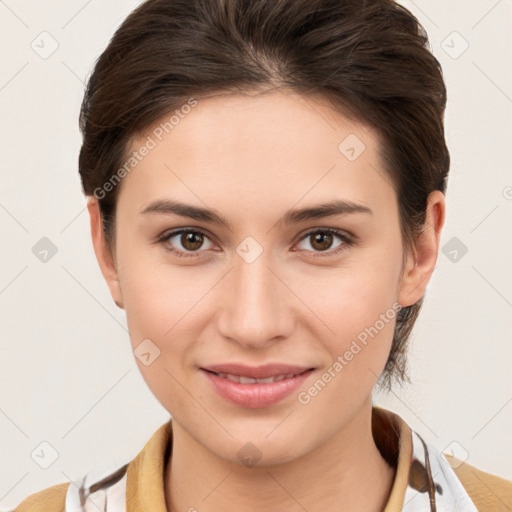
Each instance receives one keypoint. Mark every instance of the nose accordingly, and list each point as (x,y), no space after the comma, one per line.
(256,308)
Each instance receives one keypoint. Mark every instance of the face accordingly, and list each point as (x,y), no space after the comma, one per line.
(265,285)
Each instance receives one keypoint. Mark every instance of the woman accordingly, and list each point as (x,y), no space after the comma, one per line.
(266,188)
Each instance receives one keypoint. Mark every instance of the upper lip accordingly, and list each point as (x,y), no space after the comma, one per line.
(257,372)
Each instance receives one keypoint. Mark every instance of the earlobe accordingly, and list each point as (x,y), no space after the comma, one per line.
(422,261)
(103,253)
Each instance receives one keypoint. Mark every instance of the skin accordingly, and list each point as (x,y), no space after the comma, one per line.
(252,157)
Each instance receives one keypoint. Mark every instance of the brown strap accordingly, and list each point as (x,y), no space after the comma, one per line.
(489,493)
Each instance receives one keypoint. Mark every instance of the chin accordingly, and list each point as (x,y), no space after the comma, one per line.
(263,446)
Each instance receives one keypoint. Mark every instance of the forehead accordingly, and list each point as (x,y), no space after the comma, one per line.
(262,150)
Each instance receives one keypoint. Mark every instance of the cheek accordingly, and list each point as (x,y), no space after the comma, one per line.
(357,304)
(167,306)
(363,323)
(155,295)
(159,305)
(361,319)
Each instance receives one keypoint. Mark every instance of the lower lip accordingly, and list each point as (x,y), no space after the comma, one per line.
(256,395)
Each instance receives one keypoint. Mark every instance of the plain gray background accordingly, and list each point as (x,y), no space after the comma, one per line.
(68,376)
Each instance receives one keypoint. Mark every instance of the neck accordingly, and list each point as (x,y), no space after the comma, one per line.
(345,473)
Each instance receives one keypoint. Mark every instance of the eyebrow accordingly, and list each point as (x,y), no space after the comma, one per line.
(335,207)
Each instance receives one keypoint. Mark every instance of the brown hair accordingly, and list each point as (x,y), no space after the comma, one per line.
(369,58)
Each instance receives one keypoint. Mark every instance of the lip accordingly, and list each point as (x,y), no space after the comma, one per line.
(256,395)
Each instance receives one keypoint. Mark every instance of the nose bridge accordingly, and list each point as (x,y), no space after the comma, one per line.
(255,308)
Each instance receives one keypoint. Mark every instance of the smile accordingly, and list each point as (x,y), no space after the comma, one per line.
(251,392)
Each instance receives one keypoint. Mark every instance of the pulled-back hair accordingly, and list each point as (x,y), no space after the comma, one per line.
(369,58)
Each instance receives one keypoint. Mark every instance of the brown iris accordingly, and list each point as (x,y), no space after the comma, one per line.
(192,241)
(324,241)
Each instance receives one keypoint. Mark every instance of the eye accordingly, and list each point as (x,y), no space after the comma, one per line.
(322,241)
(191,240)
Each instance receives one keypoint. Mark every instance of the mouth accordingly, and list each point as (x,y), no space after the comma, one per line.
(260,387)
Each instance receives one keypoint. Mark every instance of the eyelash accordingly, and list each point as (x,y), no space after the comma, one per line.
(346,239)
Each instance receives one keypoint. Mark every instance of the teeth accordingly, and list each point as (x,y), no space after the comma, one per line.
(248,380)
(268,379)
(245,380)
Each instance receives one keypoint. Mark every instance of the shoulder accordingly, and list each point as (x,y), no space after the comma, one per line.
(108,483)
(95,490)
(488,492)
(52,499)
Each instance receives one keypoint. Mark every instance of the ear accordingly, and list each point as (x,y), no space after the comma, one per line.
(421,261)
(103,254)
